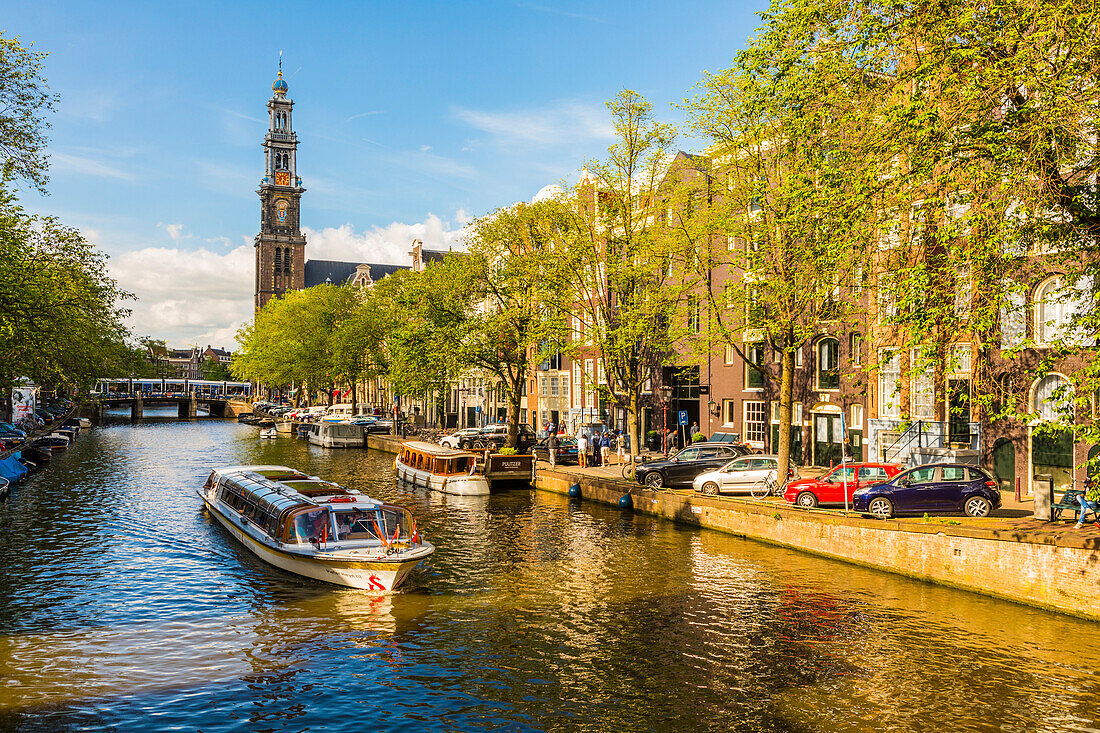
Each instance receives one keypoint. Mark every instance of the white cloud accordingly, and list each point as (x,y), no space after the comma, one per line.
(175,231)
(65,163)
(565,122)
(425,148)
(463,217)
(202,296)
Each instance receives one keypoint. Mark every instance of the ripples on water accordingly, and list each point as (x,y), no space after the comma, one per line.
(123,607)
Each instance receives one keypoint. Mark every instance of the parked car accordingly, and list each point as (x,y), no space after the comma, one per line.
(566,452)
(829,489)
(496,435)
(682,468)
(456,439)
(730,439)
(738,476)
(944,487)
(379,427)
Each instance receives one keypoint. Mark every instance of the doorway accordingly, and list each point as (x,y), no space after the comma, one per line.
(1004,464)
(958,411)
(1052,454)
(828,439)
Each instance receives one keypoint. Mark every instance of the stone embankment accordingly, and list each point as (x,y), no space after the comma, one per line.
(1022,559)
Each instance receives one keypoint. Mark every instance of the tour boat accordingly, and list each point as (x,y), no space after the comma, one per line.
(315,528)
(336,435)
(443,469)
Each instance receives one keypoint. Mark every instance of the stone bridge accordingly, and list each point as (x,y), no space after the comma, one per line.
(187,406)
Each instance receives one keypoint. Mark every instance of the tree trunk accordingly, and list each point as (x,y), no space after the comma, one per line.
(786,390)
(632,424)
(354,387)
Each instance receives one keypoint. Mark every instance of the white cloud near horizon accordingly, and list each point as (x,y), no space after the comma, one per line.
(202,296)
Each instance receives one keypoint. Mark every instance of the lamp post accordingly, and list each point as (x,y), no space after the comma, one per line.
(666,394)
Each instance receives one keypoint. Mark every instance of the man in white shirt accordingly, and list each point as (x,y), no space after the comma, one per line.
(582,450)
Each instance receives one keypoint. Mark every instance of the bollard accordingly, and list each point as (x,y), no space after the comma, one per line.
(1018,498)
(575,491)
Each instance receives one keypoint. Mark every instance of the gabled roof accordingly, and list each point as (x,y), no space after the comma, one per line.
(319,272)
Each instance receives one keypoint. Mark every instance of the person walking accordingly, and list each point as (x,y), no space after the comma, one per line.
(620,446)
(694,431)
(582,450)
(605,448)
(552,449)
(594,451)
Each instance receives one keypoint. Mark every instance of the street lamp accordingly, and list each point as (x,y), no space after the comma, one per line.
(666,394)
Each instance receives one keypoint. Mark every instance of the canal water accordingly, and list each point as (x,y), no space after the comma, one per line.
(123,607)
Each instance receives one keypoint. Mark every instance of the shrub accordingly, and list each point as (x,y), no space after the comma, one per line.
(506,451)
(698,438)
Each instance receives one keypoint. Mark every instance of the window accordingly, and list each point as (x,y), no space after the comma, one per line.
(278,260)
(1053,398)
(754,378)
(798,357)
(954,473)
(755,422)
(923,392)
(693,314)
(872,473)
(565,385)
(1013,319)
(828,364)
(889,385)
(962,291)
(922,475)
(731,355)
(554,387)
(855,347)
(1057,306)
(544,387)
(729,412)
(796,413)
(857,417)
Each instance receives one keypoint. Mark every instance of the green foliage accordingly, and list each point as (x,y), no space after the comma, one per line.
(508,451)
(24,100)
(60,323)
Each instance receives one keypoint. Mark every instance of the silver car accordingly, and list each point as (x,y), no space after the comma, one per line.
(455,440)
(738,476)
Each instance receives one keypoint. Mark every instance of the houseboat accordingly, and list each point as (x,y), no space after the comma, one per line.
(443,469)
(336,435)
(315,528)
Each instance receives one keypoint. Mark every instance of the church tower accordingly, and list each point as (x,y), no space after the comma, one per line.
(280,246)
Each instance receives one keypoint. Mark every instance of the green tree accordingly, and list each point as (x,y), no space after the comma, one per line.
(613,270)
(24,100)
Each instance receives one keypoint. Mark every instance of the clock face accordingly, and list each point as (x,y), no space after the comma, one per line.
(282,178)
(280,210)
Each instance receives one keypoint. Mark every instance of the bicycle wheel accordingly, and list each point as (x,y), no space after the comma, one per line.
(761,489)
(628,471)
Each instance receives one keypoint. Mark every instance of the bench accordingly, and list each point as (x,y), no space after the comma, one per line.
(1069,501)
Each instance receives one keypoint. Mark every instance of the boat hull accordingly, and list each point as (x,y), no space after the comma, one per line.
(383,575)
(286,426)
(460,485)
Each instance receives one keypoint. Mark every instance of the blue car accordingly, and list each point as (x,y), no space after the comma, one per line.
(944,487)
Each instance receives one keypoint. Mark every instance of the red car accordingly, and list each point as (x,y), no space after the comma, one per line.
(829,489)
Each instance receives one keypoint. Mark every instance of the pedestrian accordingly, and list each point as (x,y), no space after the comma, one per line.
(620,445)
(1090,502)
(582,450)
(605,448)
(694,431)
(552,449)
(594,450)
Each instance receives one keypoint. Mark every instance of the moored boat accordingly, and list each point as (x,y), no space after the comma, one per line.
(269,433)
(285,426)
(315,528)
(443,469)
(336,435)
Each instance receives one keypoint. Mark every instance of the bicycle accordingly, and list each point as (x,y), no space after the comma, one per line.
(765,487)
(630,469)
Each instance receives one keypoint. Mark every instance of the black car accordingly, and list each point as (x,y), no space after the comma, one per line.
(943,487)
(682,468)
(566,453)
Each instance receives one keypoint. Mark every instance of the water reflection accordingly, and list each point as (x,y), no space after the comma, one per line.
(123,605)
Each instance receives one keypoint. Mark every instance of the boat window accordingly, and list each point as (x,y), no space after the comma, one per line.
(356,524)
(313,526)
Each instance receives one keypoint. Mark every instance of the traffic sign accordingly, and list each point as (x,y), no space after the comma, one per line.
(683,417)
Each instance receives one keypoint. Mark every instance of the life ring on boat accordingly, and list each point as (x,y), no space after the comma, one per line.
(341,499)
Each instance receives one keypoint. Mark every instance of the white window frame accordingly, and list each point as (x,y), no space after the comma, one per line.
(889,395)
(759,409)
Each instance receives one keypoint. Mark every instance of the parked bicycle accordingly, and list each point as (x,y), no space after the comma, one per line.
(766,486)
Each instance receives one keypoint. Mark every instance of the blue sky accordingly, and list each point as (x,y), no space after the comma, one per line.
(411,117)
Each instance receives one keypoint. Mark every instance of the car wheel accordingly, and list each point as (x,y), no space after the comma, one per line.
(807,499)
(654,480)
(710,488)
(881,507)
(977,506)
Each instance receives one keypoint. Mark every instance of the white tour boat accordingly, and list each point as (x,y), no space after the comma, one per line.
(316,528)
(443,469)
